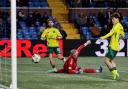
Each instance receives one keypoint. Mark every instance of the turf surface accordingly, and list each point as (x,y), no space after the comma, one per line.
(35,76)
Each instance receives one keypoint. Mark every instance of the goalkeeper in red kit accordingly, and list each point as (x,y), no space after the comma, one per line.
(70,65)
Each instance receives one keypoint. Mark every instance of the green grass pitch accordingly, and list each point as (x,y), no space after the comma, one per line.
(35,76)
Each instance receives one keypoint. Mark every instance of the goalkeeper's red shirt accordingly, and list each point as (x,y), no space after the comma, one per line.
(70,66)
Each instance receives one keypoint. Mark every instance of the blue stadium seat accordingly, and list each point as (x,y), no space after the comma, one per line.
(84,32)
(126,35)
(30,4)
(31,28)
(25,30)
(38,3)
(22,24)
(84,28)
(125,17)
(19,32)
(27,36)
(20,36)
(38,24)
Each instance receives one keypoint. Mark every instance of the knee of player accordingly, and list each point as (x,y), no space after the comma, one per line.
(50,56)
(60,57)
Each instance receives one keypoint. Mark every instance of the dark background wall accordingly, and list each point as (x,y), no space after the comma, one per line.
(26,48)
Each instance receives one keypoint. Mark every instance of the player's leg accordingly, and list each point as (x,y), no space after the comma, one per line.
(90,70)
(59,55)
(113,63)
(50,50)
(109,61)
(51,60)
(52,64)
(60,70)
(112,67)
(115,71)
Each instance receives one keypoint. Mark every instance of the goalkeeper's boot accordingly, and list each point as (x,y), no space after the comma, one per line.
(115,74)
(100,69)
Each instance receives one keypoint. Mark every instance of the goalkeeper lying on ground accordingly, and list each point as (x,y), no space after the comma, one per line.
(70,66)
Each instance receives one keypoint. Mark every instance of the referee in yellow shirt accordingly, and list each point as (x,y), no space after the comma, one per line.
(52,36)
(116,33)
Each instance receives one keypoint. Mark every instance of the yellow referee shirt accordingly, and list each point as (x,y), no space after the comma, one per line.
(51,35)
(116,32)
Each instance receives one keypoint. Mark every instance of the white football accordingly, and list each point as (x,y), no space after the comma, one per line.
(36,58)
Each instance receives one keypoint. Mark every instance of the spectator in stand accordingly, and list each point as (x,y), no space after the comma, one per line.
(21,16)
(109,25)
(78,3)
(44,18)
(62,32)
(108,15)
(5,24)
(80,20)
(95,31)
(30,20)
(8,26)
(42,28)
(56,23)
(105,30)
(101,18)
(37,23)
(90,21)
(36,16)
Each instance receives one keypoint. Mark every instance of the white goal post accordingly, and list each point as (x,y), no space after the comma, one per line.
(13,45)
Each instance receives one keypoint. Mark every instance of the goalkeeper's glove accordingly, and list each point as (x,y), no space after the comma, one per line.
(87,43)
(99,40)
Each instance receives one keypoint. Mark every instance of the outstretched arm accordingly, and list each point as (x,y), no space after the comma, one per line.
(82,46)
(107,35)
(43,36)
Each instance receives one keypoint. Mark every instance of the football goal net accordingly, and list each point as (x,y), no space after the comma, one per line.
(5,69)
(8,59)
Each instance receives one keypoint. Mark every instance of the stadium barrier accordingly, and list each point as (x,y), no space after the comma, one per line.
(28,10)
(26,48)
